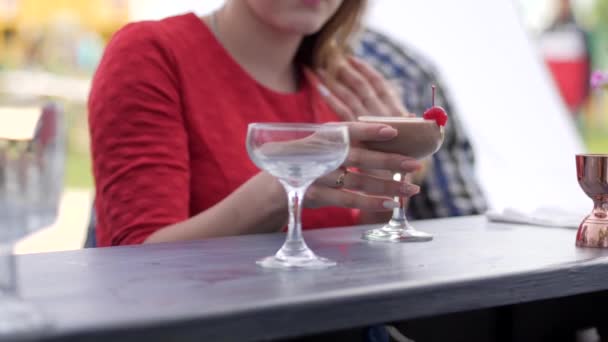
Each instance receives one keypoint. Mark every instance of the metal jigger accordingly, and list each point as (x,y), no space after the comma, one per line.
(592,174)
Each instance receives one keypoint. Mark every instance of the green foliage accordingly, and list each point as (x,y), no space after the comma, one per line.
(600,12)
(597,144)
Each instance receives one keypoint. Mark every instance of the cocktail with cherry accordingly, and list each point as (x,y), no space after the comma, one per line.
(418,138)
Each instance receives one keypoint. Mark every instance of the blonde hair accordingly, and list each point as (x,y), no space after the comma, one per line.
(326,48)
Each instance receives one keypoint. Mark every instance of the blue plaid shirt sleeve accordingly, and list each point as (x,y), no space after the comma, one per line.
(450,187)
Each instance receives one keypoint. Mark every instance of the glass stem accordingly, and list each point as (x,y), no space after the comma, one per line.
(399,213)
(294,244)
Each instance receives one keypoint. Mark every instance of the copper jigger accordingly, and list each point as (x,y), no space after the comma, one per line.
(592,174)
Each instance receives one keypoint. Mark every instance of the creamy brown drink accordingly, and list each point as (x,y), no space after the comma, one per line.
(418,138)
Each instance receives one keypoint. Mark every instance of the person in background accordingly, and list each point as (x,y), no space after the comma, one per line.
(169,109)
(566,49)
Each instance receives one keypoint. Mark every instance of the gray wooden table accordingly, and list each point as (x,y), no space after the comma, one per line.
(212,290)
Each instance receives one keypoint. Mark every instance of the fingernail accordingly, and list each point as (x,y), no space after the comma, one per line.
(410,189)
(411,165)
(387,132)
(323,90)
(388,204)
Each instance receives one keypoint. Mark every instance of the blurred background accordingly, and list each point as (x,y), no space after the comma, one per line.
(49,49)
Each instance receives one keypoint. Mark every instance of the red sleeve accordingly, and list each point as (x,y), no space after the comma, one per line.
(139,143)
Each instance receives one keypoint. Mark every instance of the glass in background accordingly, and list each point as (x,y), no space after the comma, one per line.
(31,182)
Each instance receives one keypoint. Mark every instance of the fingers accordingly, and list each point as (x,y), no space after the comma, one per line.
(397,86)
(343,111)
(363,158)
(359,90)
(321,196)
(368,159)
(357,85)
(344,94)
(375,79)
(369,184)
(383,90)
(363,131)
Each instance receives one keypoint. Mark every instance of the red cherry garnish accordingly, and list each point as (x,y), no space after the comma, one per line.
(436,113)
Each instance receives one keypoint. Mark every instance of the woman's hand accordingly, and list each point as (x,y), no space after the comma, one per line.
(358,90)
(260,204)
(361,190)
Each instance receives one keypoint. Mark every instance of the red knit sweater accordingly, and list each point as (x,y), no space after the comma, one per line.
(168,115)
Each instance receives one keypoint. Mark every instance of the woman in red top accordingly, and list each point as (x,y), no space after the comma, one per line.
(169,110)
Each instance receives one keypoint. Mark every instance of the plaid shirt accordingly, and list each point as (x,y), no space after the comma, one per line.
(450,187)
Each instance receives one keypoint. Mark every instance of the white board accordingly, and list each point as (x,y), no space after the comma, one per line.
(524,138)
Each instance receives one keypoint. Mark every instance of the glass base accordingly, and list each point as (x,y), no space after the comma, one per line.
(314,263)
(397,231)
(295,254)
(19,321)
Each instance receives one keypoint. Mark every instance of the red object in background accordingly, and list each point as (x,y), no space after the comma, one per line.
(566,53)
(572,79)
